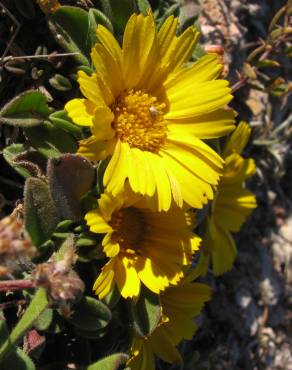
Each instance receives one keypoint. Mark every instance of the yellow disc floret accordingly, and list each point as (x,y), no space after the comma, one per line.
(129,226)
(139,120)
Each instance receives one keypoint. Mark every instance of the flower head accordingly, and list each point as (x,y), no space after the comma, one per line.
(142,245)
(148,110)
(180,305)
(15,244)
(231,206)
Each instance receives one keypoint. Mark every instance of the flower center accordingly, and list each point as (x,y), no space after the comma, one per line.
(139,120)
(129,228)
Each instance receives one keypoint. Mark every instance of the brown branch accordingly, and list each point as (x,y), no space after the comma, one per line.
(10,285)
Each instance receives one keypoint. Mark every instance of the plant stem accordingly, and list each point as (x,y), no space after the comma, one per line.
(16,285)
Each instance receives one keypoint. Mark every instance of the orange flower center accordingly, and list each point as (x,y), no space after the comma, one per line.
(139,120)
(129,228)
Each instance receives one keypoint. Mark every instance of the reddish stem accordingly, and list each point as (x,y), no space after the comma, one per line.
(239,84)
(16,284)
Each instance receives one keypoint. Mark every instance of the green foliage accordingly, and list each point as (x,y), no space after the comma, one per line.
(60,83)
(19,360)
(74,29)
(96,17)
(143,6)
(50,140)
(70,177)
(60,119)
(146,313)
(25,110)
(90,315)
(112,362)
(37,305)
(40,213)
(118,12)
(69,25)
(44,320)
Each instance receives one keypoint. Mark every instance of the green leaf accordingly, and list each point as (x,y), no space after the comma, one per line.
(50,140)
(69,25)
(4,334)
(146,313)
(113,297)
(267,63)
(40,213)
(62,120)
(143,6)
(96,17)
(45,319)
(25,110)
(118,12)
(37,305)
(112,362)
(22,161)
(90,314)
(18,360)
(60,83)
(70,177)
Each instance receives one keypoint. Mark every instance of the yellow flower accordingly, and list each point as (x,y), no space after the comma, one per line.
(149,111)
(231,206)
(142,245)
(180,305)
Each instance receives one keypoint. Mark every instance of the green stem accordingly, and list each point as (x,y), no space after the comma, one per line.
(37,305)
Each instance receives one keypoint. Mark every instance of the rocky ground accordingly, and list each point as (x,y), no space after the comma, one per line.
(248,323)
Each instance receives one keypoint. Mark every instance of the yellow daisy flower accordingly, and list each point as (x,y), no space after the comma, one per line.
(142,245)
(180,305)
(231,206)
(148,110)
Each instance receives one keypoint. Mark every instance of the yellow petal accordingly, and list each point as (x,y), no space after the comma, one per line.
(191,99)
(81,111)
(102,130)
(117,169)
(126,277)
(110,43)
(163,347)
(96,222)
(90,88)
(105,281)
(138,41)
(238,139)
(207,126)
(94,149)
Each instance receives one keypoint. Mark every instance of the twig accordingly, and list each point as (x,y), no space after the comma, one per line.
(15,32)
(9,304)
(16,285)
(53,55)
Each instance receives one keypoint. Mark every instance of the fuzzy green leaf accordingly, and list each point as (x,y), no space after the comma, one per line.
(90,314)
(37,305)
(118,12)
(112,362)
(50,140)
(18,360)
(70,177)
(143,6)
(40,213)
(25,110)
(96,17)
(61,119)
(69,25)
(146,313)
(44,320)
(24,162)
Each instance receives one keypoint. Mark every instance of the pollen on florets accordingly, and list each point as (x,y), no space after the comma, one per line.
(139,120)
